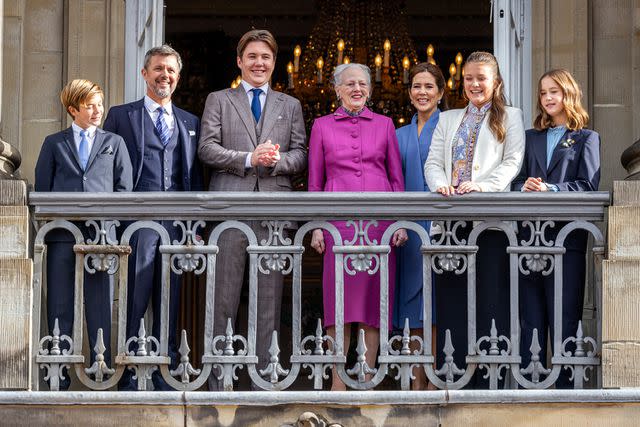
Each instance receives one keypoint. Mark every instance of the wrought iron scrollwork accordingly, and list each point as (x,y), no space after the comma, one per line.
(449,261)
(363,261)
(190,260)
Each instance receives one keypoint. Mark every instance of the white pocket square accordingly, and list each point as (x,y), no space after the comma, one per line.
(192,133)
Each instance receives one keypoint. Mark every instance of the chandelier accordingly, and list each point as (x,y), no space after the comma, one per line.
(373,33)
(370,32)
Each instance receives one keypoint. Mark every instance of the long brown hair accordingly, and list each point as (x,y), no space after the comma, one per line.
(577,117)
(434,70)
(497,111)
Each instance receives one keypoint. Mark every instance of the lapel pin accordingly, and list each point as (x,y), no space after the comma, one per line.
(568,143)
(192,133)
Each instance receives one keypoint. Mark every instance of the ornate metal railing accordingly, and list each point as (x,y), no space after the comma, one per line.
(316,352)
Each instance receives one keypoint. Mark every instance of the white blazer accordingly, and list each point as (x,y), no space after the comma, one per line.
(495,164)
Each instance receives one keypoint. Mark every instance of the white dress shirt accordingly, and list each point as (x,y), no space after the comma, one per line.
(90,134)
(263,99)
(152,107)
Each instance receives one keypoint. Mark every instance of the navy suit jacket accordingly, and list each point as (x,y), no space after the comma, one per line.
(575,167)
(108,169)
(128,121)
(58,168)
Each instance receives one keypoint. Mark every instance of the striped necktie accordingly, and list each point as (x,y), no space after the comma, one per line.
(161,127)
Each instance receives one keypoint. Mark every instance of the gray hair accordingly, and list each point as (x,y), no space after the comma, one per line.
(337,73)
(164,50)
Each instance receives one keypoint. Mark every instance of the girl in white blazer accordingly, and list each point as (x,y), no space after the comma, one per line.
(478,148)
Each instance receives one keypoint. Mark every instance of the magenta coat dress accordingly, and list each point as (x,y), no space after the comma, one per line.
(355,154)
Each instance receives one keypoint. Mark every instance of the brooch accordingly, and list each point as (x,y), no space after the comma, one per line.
(568,143)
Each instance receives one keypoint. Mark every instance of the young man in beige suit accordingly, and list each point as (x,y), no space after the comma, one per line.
(253,139)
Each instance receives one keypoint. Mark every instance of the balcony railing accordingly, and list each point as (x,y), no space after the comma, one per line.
(498,353)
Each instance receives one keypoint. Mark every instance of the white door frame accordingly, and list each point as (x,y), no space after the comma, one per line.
(144,29)
(512,48)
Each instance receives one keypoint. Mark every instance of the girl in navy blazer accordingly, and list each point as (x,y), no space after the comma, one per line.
(560,155)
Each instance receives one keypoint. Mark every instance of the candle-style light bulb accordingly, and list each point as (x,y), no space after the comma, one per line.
(346,60)
(290,75)
(387,50)
(406,63)
(340,50)
(432,61)
(459,66)
(378,62)
(297,51)
(319,64)
(452,69)
(450,83)
(430,51)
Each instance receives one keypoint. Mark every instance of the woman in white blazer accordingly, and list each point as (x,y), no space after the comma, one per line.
(478,148)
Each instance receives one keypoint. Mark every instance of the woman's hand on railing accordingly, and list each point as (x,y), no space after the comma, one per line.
(468,187)
(446,190)
(400,237)
(317,240)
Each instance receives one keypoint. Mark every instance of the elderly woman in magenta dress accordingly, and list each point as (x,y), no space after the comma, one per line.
(354,149)
(426,94)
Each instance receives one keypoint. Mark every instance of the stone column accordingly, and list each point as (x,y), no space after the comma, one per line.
(15,286)
(621,290)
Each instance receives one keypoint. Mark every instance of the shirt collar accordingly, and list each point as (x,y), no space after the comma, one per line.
(341,114)
(247,87)
(152,106)
(482,110)
(89,132)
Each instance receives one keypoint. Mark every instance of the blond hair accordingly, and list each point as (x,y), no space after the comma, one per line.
(77,92)
(577,117)
(497,111)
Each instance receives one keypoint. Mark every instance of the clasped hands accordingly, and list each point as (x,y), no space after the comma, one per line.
(266,154)
(534,184)
(317,239)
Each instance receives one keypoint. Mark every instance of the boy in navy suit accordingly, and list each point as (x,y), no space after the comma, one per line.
(80,158)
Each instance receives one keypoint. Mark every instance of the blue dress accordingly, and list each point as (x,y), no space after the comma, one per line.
(413,151)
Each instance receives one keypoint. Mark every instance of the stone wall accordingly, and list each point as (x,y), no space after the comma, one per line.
(46,43)
(621,290)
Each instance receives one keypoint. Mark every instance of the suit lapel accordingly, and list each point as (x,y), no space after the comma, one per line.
(540,151)
(136,117)
(557,152)
(186,145)
(95,149)
(239,100)
(272,109)
(71,146)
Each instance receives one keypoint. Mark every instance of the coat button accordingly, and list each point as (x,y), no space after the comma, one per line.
(358,173)
(476,167)
(354,120)
(354,135)
(356,159)
(354,146)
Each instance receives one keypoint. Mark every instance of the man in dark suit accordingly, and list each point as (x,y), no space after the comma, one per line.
(253,139)
(80,158)
(162,141)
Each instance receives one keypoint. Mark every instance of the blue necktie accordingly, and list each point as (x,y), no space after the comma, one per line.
(162,128)
(83,150)
(255,104)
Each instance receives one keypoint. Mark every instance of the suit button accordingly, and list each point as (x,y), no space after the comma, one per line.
(354,135)
(84,178)
(354,120)
(476,167)
(354,146)
(356,159)
(358,173)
